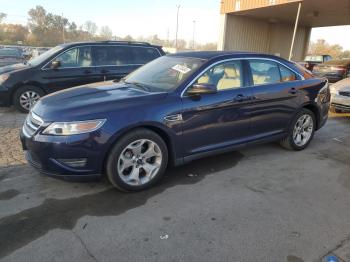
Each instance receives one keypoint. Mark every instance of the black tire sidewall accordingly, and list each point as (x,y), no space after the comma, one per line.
(291,129)
(20,91)
(112,161)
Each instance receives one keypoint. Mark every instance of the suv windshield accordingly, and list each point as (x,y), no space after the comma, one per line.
(41,58)
(164,74)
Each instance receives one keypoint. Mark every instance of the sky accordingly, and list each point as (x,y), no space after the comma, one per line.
(149,17)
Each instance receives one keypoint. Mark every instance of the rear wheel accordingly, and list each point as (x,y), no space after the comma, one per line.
(301,131)
(25,97)
(137,161)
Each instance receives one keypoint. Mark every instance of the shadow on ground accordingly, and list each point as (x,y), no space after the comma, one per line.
(26,226)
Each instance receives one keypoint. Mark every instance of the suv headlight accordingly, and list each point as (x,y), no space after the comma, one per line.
(73,128)
(3,78)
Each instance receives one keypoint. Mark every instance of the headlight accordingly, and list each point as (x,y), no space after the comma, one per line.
(73,128)
(3,78)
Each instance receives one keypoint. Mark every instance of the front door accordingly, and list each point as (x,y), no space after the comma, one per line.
(220,120)
(75,69)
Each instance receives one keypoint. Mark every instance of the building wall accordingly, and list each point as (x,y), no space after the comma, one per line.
(249,34)
(229,6)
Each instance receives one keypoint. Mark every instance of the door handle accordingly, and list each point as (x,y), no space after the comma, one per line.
(104,71)
(240,98)
(87,72)
(293,91)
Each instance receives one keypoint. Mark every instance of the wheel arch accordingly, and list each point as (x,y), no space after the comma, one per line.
(314,109)
(24,84)
(161,131)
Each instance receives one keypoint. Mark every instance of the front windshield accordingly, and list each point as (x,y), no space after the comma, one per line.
(314,58)
(165,73)
(41,58)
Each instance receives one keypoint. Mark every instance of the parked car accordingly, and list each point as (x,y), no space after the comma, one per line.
(39,51)
(175,109)
(334,70)
(311,60)
(69,65)
(340,96)
(10,56)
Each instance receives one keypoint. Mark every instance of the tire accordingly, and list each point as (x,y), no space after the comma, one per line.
(130,156)
(32,93)
(334,110)
(296,131)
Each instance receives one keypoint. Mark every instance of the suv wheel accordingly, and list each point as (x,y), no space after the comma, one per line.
(301,131)
(137,161)
(25,97)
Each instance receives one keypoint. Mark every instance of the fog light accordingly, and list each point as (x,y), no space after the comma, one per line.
(75,162)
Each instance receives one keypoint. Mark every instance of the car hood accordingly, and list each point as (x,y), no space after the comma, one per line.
(343,85)
(11,68)
(82,101)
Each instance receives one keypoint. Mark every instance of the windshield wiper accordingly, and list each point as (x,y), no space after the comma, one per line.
(143,86)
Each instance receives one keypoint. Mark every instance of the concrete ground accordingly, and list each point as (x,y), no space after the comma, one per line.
(259,204)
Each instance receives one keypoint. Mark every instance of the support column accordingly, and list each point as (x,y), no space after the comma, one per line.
(294,32)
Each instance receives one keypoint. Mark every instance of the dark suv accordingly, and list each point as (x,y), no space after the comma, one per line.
(175,109)
(71,65)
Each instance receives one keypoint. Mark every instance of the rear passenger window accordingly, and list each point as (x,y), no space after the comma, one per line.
(145,54)
(265,72)
(113,55)
(287,75)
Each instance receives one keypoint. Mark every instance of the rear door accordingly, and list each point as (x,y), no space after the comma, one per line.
(114,62)
(75,69)
(276,91)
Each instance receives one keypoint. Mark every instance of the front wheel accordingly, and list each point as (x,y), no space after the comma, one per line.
(137,161)
(25,97)
(301,131)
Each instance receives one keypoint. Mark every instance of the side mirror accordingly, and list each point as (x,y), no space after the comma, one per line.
(201,89)
(55,64)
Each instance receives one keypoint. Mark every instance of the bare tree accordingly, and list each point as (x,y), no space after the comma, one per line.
(2,16)
(106,33)
(90,27)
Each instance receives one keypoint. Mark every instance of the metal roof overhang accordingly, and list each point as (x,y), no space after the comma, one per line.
(314,13)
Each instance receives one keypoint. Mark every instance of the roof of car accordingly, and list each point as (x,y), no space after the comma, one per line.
(207,55)
(342,62)
(134,43)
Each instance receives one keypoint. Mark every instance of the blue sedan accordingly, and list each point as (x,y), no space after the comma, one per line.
(173,110)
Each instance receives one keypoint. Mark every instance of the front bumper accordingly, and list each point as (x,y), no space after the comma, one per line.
(340,102)
(50,154)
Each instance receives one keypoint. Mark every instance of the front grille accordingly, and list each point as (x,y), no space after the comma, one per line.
(343,93)
(32,124)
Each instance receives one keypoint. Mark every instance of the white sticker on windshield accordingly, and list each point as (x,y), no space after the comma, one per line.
(181,68)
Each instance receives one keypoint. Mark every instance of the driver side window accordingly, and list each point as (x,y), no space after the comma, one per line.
(224,76)
(75,57)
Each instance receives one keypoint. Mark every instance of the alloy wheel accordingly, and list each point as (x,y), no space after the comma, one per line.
(303,130)
(28,99)
(139,162)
